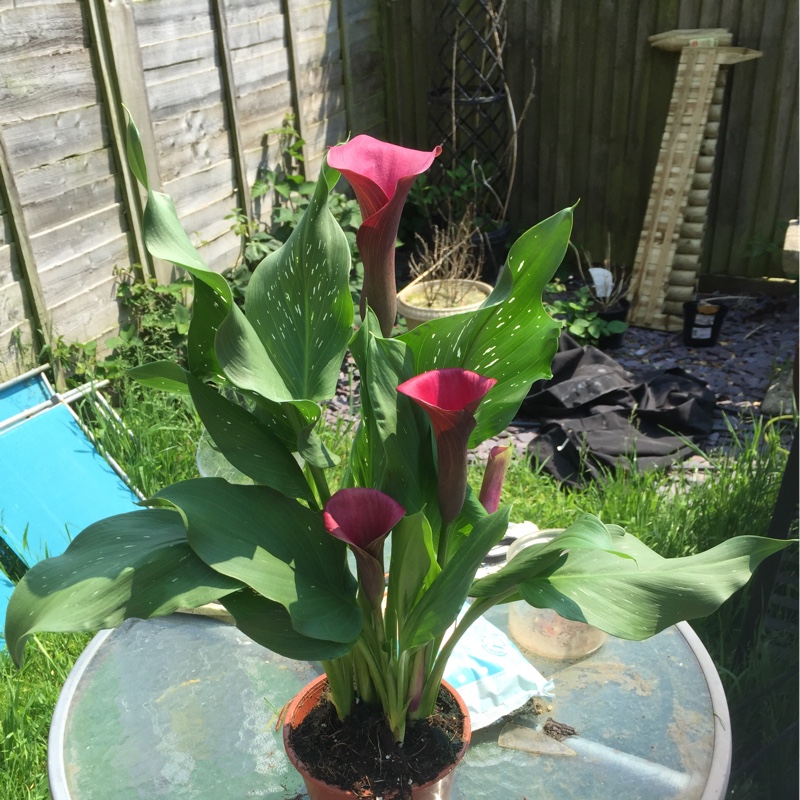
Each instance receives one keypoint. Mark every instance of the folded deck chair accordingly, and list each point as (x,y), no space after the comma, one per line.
(53,481)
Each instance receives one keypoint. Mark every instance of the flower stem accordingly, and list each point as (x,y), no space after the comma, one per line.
(444,536)
(431,689)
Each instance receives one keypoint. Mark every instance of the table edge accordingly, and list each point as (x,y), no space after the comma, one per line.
(56,768)
(719,771)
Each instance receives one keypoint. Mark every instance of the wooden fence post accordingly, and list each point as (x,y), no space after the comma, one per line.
(295,72)
(239,162)
(42,321)
(111,93)
(347,66)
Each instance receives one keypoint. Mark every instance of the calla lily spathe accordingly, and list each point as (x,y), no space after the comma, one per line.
(381,175)
(363,518)
(494,476)
(450,397)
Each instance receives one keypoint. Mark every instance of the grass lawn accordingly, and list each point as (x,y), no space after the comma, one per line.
(674,513)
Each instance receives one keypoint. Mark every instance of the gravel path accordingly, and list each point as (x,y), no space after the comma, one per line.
(758,340)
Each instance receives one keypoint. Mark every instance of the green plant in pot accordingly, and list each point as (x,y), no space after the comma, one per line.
(274,552)
(595,313)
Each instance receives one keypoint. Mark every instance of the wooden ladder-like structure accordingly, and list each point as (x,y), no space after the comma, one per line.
(667,261)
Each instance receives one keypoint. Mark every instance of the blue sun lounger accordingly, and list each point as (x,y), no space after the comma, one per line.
(53,481)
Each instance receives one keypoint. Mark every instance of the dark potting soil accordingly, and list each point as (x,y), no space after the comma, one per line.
(360,753)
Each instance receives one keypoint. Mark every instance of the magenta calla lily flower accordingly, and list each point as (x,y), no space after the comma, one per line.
(381,175)
(450,397)
(492,485)
(363,518)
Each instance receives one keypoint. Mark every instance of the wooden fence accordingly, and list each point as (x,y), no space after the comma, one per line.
(593,130)
(204,80)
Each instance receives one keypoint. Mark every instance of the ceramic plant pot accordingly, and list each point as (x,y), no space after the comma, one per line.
(297,710)
(412,301)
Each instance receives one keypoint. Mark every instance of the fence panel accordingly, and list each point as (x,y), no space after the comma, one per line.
(53,124)
(205,80)
(593,130)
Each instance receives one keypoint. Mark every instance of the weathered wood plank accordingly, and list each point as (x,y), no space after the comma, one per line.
(70,278)
(320,53)
(188,94)
(48,139)
(165,22)
(58,245)
(181,70)
(93,315)
(188,48)
(246,12)
(268,30)
(13,309)
(6,234)
(33,87)
(260,71)
(9,269)
(42,31)
(199,189)
(191,141)
(59,192)
(323,105)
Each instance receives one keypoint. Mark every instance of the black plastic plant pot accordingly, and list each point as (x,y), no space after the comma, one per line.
(495,250)
(702,323)
(617,314)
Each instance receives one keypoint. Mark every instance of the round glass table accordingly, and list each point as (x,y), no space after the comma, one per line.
(188,707)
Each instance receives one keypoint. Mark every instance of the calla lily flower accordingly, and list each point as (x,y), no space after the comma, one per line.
(450,397)
(381,175)
(493,477)
(363,518)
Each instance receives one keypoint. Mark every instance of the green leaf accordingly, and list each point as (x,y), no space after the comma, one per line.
(298,302)
(134,151)
(439,606)
(247,444)
(276,546)
(637,597)
(412,569)
(394,446)
(510,338)
(208,313)
(131,565)
(270,625)
(164,375)
(586,533)
(245,361)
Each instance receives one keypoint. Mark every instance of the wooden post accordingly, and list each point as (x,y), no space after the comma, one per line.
(111,94)
(664,272)
(126,71)
(296,72)
(240,164)
(347,65)
(42,321)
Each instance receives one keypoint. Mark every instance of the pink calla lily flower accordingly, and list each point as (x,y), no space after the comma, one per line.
(381,175)
(493,477)
(363,518)
(450,397)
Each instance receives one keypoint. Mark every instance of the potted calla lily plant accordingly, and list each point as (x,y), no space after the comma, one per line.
(274,552)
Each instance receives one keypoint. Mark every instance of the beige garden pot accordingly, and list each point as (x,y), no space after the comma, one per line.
(412,302)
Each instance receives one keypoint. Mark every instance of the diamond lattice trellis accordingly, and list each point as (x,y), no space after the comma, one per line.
(468,103)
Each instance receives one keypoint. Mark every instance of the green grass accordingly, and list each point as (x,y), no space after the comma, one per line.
(676,513)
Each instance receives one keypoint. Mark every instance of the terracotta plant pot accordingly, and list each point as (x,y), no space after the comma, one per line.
(307,699)
(410,302)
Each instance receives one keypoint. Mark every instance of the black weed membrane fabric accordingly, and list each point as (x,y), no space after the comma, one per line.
(596,417)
